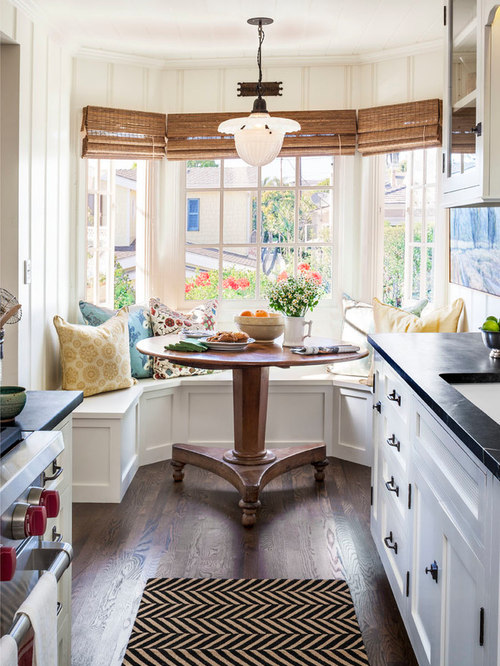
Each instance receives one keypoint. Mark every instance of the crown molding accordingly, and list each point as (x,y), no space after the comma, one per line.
(34,12)
(119,58)
(306,60)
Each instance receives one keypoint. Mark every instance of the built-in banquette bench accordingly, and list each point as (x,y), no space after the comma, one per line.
(114,433)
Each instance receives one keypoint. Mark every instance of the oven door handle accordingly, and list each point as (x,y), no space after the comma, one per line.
(54,557)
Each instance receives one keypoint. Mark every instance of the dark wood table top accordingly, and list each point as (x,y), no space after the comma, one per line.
(255,355)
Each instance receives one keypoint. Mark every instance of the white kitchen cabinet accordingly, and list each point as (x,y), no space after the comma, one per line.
(471,133)
(447,585)
(444,574)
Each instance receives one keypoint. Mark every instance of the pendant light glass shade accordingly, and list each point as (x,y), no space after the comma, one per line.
(259,137)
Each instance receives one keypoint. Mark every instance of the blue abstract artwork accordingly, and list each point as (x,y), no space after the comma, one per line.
(475,248)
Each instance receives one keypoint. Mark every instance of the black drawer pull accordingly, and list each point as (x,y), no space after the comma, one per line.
(55,535)
(388,543)
(392,441)
(391,486)
(56,472)
(378,406)
(433,570)
(394,397)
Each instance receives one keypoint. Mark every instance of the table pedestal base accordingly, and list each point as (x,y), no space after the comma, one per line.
(249,479)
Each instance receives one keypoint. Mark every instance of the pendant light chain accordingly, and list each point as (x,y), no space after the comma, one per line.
(259,59)
(259,137)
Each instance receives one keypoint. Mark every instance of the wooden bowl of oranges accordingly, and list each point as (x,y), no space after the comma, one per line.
(261,325)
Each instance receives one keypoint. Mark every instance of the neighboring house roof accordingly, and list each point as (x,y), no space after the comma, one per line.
(227,255)
(129,174)
(395,196)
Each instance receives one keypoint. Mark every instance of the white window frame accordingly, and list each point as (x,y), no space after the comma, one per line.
(145,211)
(438,244)
(237,304)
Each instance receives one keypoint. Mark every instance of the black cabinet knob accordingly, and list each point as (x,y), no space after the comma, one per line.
(433,570)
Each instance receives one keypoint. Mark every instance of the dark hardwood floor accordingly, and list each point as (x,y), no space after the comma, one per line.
(161,528)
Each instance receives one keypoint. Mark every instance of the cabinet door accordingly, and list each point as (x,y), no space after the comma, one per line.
(463,594)
(425,590)
(447,588)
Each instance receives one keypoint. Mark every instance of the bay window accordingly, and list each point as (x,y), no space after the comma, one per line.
(245,226)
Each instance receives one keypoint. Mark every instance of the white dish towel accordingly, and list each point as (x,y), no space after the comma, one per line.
(41,608)
(8,651)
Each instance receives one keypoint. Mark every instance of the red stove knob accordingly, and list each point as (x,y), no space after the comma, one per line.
(35,521)
(7,563)
(47,498)
(28,521)
(51,501)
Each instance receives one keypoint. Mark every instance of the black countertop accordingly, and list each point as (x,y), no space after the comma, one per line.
(45,409)
(422,359)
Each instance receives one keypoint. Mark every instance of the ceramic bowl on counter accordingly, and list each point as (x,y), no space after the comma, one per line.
(12,401)
(262,329)
(491,340)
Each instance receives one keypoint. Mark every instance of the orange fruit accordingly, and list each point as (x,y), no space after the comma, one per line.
(246,313)
(261,313)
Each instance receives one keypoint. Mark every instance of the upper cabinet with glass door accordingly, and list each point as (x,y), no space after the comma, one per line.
(471,136)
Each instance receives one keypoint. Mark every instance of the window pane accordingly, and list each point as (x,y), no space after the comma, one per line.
(280,172)
(239,272)
(430,212)
(316,171)
(240,217)
(203,173)
(208,208)
(415,280)
(103,277)
(315,216)
(430,274)
(92,174)
(238,173)
(417,214)
(274,262)
(202,273)
(317,261)
(431,166)
(91,272)
(277,210)
(394,263)
(418,166)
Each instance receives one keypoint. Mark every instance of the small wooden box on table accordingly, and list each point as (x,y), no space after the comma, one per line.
(249,466)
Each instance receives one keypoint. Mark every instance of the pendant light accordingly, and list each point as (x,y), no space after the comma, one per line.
(259,136)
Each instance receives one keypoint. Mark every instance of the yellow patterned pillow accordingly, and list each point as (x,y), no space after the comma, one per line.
(95,359)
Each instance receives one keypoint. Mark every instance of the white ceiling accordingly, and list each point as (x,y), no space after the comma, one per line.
(211,29)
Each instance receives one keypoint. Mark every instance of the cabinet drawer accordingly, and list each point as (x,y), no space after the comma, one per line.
(458,481)
(394,393)
(395,438)
(393,486)
(394,549)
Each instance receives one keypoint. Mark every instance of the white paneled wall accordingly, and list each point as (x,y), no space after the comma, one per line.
(43,199)
(478,305)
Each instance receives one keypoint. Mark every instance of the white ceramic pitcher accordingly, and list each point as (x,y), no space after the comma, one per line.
(295,331)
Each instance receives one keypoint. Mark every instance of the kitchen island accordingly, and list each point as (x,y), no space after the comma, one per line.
(436,491)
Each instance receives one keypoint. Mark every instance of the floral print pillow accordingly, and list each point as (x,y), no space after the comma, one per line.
(139,328)
(166,321)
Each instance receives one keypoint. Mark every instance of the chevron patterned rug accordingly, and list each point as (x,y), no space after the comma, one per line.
(245,622)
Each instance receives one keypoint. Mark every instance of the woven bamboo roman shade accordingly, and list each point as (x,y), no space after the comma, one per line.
(463,139)
(122,134)
(195,135)
(387,129)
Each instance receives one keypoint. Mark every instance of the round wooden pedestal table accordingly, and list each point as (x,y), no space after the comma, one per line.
(249,466)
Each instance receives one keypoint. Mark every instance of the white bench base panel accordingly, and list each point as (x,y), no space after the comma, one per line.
(114,433)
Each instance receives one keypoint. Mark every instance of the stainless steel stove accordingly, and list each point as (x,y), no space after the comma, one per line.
(25,505)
